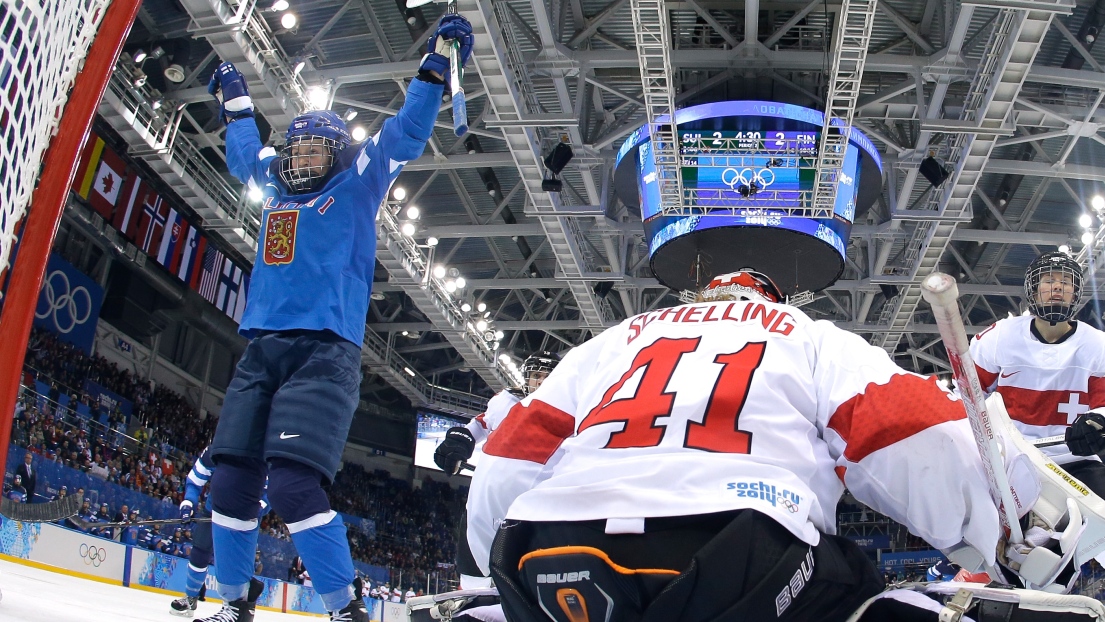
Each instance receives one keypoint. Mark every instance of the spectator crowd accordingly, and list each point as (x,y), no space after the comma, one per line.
(153,452)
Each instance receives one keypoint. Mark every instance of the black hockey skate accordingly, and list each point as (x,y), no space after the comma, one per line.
(355,611)
(241,610)
(185,606)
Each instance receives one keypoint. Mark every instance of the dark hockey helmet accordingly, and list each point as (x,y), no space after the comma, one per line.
(1062,277)
(536,368)
(744,284)
(311,146)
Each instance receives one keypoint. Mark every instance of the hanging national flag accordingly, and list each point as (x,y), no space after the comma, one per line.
(132,197)
(90,160)
(212,269)
(180,237)
(155,213)
(192,255)
(170,240)
(227,297)
(240,307)
(107,183)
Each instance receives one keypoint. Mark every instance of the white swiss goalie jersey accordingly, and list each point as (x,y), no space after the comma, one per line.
(1044,385)
(710,407)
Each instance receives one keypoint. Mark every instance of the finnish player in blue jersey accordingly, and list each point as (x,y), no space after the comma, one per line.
(289,406)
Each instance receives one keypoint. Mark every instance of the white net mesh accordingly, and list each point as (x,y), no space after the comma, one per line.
(42,46)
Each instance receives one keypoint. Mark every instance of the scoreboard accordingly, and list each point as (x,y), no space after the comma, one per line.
(748,173)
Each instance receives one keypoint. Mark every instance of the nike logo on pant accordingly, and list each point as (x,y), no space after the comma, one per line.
(285,436)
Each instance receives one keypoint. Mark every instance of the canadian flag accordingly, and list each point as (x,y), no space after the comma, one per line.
(107,184)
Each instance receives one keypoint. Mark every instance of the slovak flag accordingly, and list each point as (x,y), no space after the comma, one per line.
(170,241)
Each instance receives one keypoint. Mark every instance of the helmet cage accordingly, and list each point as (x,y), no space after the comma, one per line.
(542,362)
(741,285)
(297,171)
(1052,263)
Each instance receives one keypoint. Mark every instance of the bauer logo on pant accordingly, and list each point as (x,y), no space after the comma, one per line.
(280,237)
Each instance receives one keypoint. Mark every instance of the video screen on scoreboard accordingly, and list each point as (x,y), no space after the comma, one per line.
(431,431)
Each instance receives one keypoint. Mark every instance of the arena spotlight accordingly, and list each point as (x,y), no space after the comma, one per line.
(255,194)
(439,271)
(298,68)
(465,307)
(350,114)
(1087,238)
(289,20)
(279,5)
(1085,221)
(431,241)
(461,282)
(174,73)
(358,133)
(1098,202)
(317,96)
(413,213)
(1064,249)
(408,229)
(140,56)
(481,307)
(555,162)
(399,193)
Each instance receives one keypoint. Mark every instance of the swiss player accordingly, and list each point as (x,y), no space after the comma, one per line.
(461,441)
(290,404)
(687,464)
(1050,369)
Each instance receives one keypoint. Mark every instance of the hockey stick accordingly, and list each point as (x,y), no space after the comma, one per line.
(456,74)
(41,512)
(83,524)
(1050,441)
(941,291)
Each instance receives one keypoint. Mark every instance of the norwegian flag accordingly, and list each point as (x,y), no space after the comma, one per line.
(213,262)
(155,214)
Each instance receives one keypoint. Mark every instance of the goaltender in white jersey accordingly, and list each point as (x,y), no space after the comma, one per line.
(713,407)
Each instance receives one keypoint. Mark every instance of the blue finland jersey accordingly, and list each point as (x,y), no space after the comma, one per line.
(317,251)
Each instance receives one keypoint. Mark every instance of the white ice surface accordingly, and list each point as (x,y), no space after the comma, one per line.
(33,595)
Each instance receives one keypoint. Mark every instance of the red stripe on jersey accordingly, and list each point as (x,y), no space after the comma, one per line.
(1050,407)
(840,472)
(482,421)
(1097,391)
(985,378)
(531,433)
(887,413)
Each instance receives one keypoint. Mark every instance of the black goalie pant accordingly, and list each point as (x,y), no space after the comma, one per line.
(731,566)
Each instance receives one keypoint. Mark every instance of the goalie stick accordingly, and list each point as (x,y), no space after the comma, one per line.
(1058,488)
(83,524)
(456,74)
(941,291)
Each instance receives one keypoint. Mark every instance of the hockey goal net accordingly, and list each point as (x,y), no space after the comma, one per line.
(56,57)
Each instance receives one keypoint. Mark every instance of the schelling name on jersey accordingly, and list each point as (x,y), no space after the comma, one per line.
(773,320)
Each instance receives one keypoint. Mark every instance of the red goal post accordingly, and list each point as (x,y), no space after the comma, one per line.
(57,58)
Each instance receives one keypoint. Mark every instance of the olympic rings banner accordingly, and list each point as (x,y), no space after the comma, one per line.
(69,304)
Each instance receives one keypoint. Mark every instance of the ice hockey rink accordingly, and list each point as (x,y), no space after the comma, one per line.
(33,594)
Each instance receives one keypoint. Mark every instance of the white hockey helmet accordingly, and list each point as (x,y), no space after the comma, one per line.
(744,284)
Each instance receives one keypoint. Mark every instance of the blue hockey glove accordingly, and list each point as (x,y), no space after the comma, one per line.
(236,103)
(452,27)
(186,511)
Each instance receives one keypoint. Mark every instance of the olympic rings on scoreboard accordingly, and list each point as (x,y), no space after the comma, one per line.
(734,178)
(93,555)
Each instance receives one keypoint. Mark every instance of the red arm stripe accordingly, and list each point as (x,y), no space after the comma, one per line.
(887,413)
(1097,391)
(985,378)
(531,433)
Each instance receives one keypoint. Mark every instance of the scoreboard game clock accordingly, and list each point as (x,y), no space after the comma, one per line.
(748,173)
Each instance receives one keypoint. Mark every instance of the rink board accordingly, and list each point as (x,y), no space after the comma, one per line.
(45,545)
